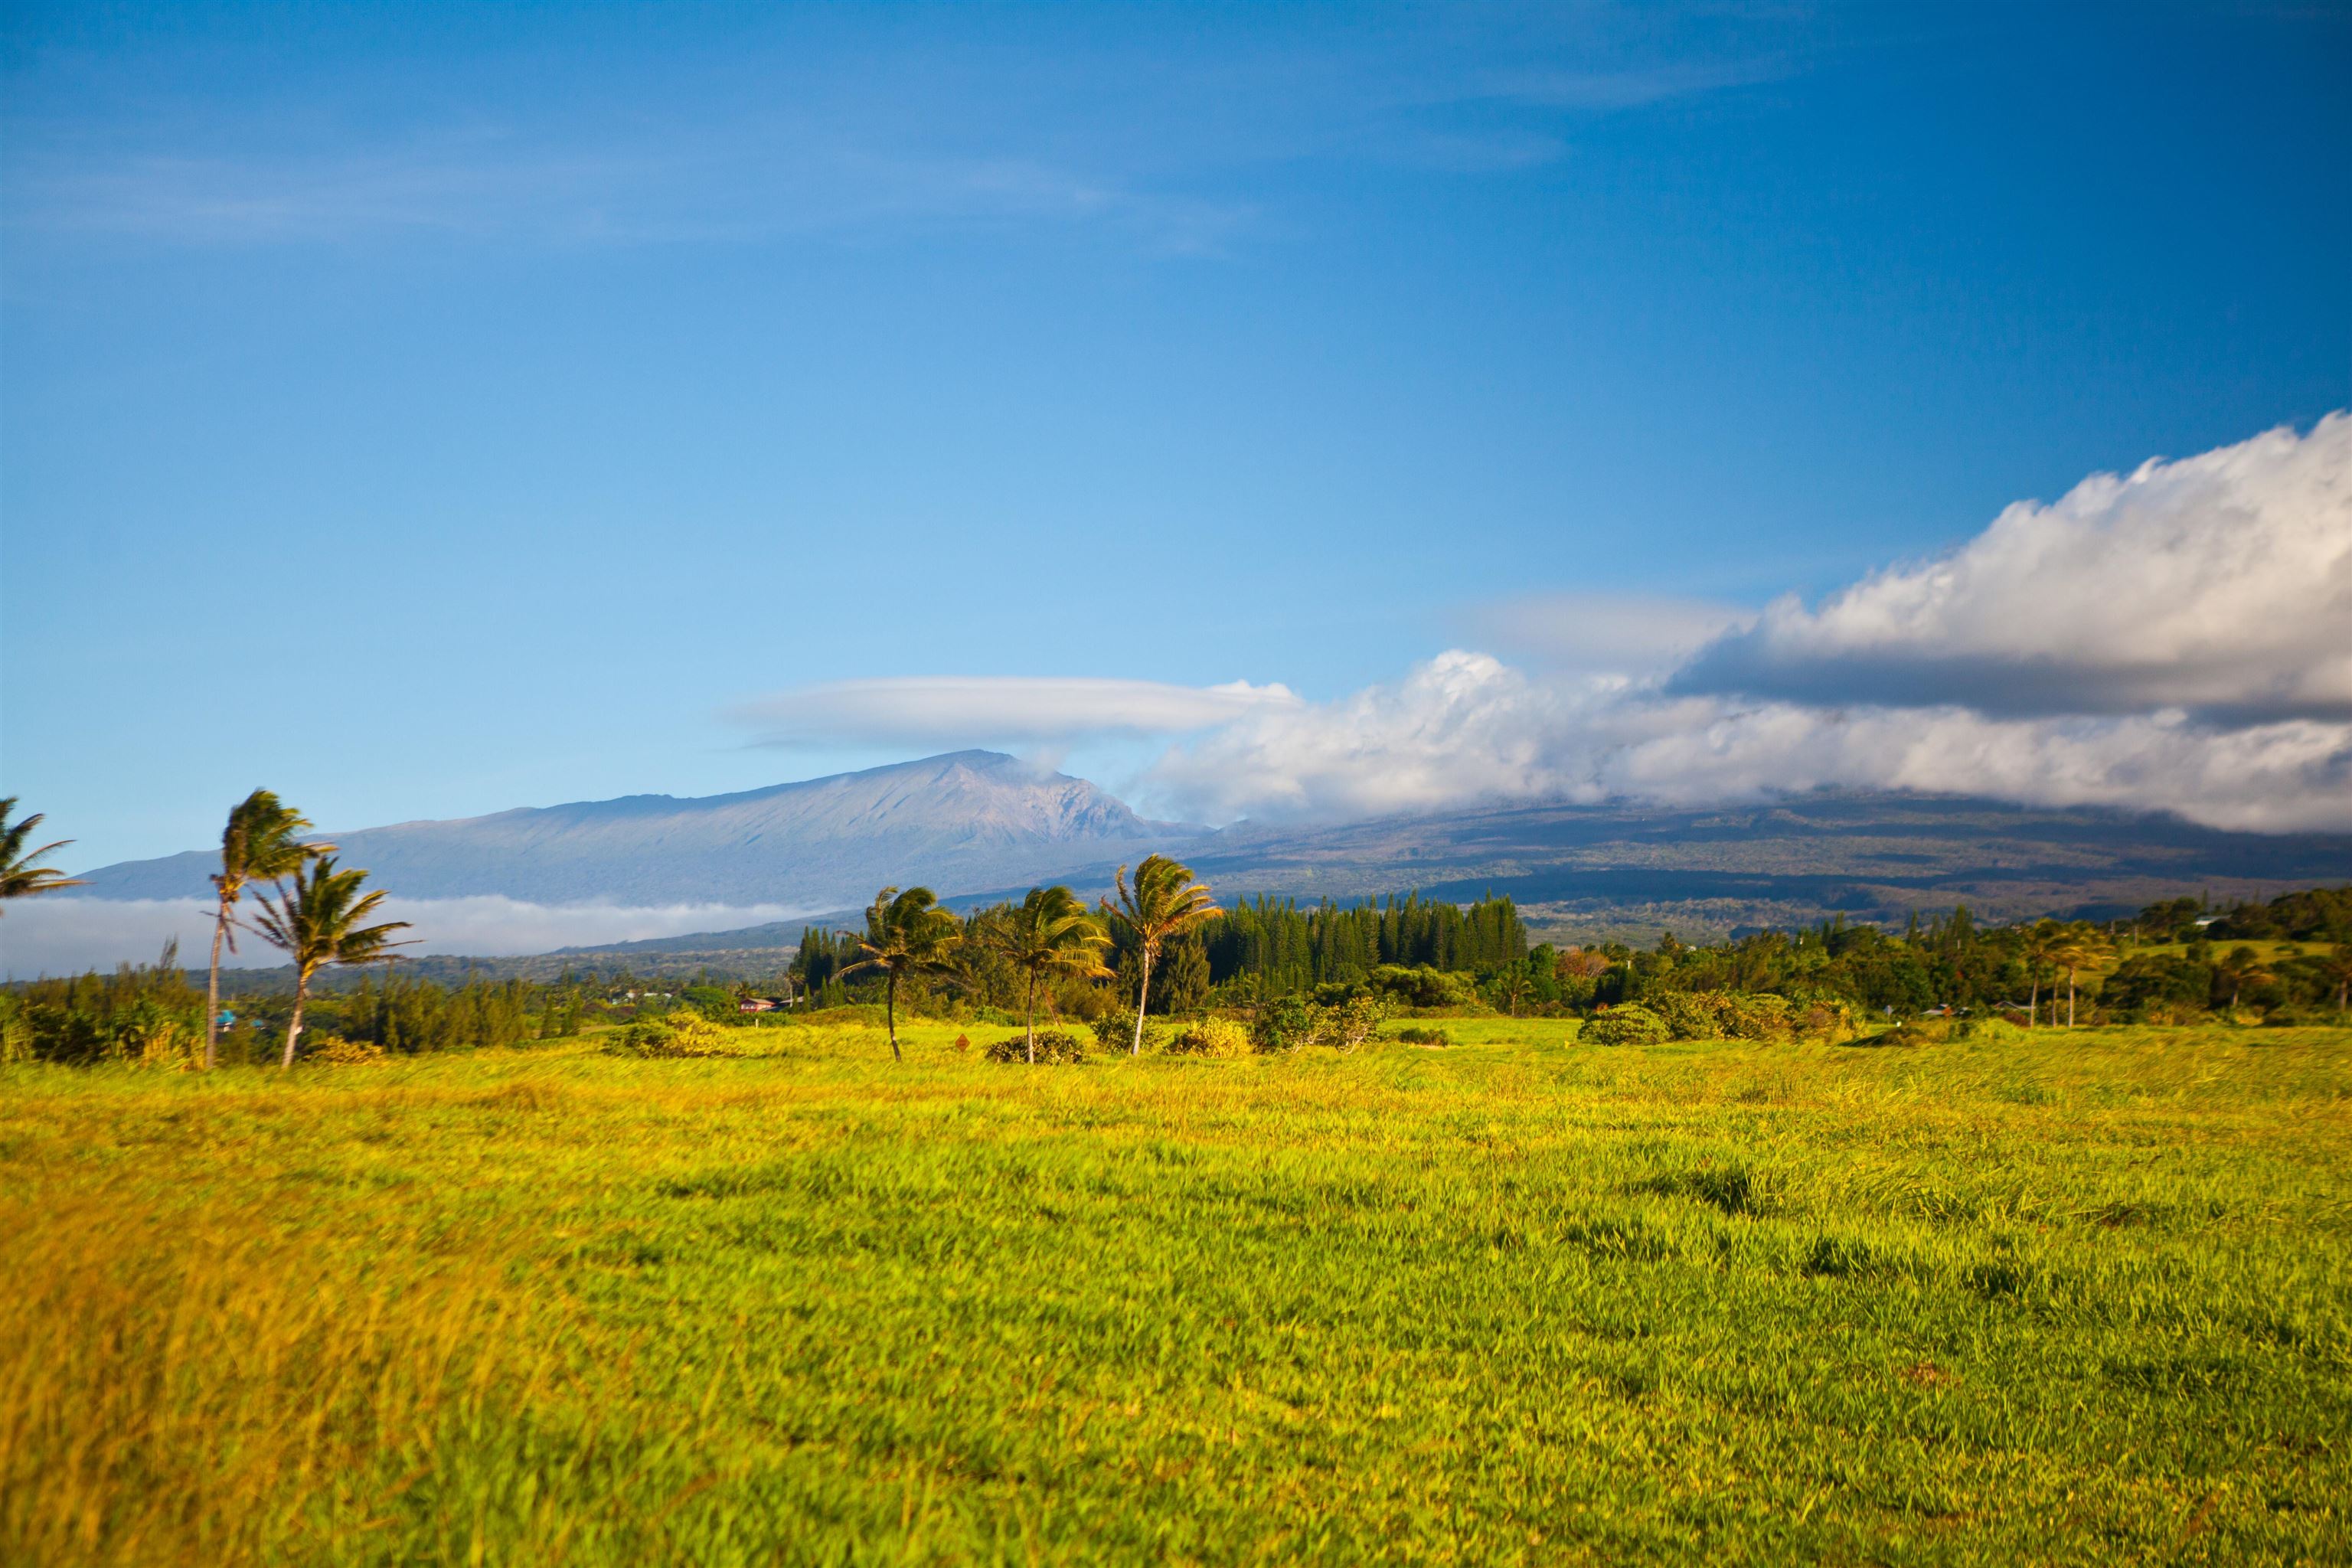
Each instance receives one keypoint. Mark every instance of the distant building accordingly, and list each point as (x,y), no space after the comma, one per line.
(762,1004)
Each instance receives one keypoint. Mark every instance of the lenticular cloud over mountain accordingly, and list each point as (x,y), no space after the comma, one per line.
(2176,639)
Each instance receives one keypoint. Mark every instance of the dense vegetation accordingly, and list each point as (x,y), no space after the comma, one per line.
(1518,1301)
(1406,954)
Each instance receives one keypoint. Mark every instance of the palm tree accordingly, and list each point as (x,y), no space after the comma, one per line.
(316,923)
(905,933)
(2242,968)
(2080,947)
(2039,949)
(1512,986)
(1048,930)
(1164,902)
(261,842)
(19,878)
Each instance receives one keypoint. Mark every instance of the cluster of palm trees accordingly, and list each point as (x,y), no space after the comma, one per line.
(1049,932)
(318,916)
(2051,947)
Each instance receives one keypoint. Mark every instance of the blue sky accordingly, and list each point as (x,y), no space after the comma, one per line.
(423,412)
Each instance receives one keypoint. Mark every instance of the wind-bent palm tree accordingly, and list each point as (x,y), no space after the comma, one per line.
(261,843)
(1049,929)
(2042,940)
(19,878)
(1164,902)
(2080,947)
(316,923)
(905,933)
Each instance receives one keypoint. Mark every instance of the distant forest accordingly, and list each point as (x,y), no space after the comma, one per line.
(2288,959)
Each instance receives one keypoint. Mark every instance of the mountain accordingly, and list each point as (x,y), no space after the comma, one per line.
(977,825)
(1623,869)
(1586,873)
(963,820)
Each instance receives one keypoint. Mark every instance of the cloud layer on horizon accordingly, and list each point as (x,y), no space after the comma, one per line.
(2179,639)
(61,934)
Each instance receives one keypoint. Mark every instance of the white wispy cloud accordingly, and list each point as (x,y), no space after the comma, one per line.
(61,934)
(2176,639)
(501,188)
(2220,584)
(976,709)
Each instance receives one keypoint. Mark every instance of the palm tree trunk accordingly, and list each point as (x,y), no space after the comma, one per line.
(1029,1019)
(212,989)
(1142,1000)
(890,1010)
(2070,995)
(2033,1004)
(294,1023)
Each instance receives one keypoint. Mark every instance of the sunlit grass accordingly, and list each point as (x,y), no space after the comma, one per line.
(1508,1301)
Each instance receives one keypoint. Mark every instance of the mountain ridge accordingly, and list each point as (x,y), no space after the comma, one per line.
(971,816)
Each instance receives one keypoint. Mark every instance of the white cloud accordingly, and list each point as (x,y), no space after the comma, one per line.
(959,710)
(1465,729)
(2179,639)
(2220,584)
(62,935)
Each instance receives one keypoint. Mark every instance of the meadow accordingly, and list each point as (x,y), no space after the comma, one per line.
(2077,1298)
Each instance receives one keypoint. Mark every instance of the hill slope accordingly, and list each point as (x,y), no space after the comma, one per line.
(1707,870)
(965,819)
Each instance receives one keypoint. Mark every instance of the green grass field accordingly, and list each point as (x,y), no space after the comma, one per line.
(2081,1301)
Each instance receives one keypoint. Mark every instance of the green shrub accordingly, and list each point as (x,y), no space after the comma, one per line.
(1722,1015)
(685,1033)
(1629,1024)
(1053,1046)
(1823,1018)
(1284,1024)
(1287,1023)
(1422,986)
(333,1050)
(1114,1032)
(1209,1037)
(1420,1035)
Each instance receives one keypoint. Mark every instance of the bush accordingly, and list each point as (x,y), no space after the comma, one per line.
(1417,1035)
(1422,986)
(1209,1037)
(334,1051)
(1722,1015)
(684,1033)
(1824,1019)
(1114,1032)
(1351,1023)
(1629,1024)
(1284,1024)
(1287,1023)
(1053,1046)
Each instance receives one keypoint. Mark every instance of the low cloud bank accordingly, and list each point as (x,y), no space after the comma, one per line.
(2175,639)
(1465,729)
(61,935)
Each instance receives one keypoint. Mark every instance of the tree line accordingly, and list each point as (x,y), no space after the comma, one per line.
(1163,946)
